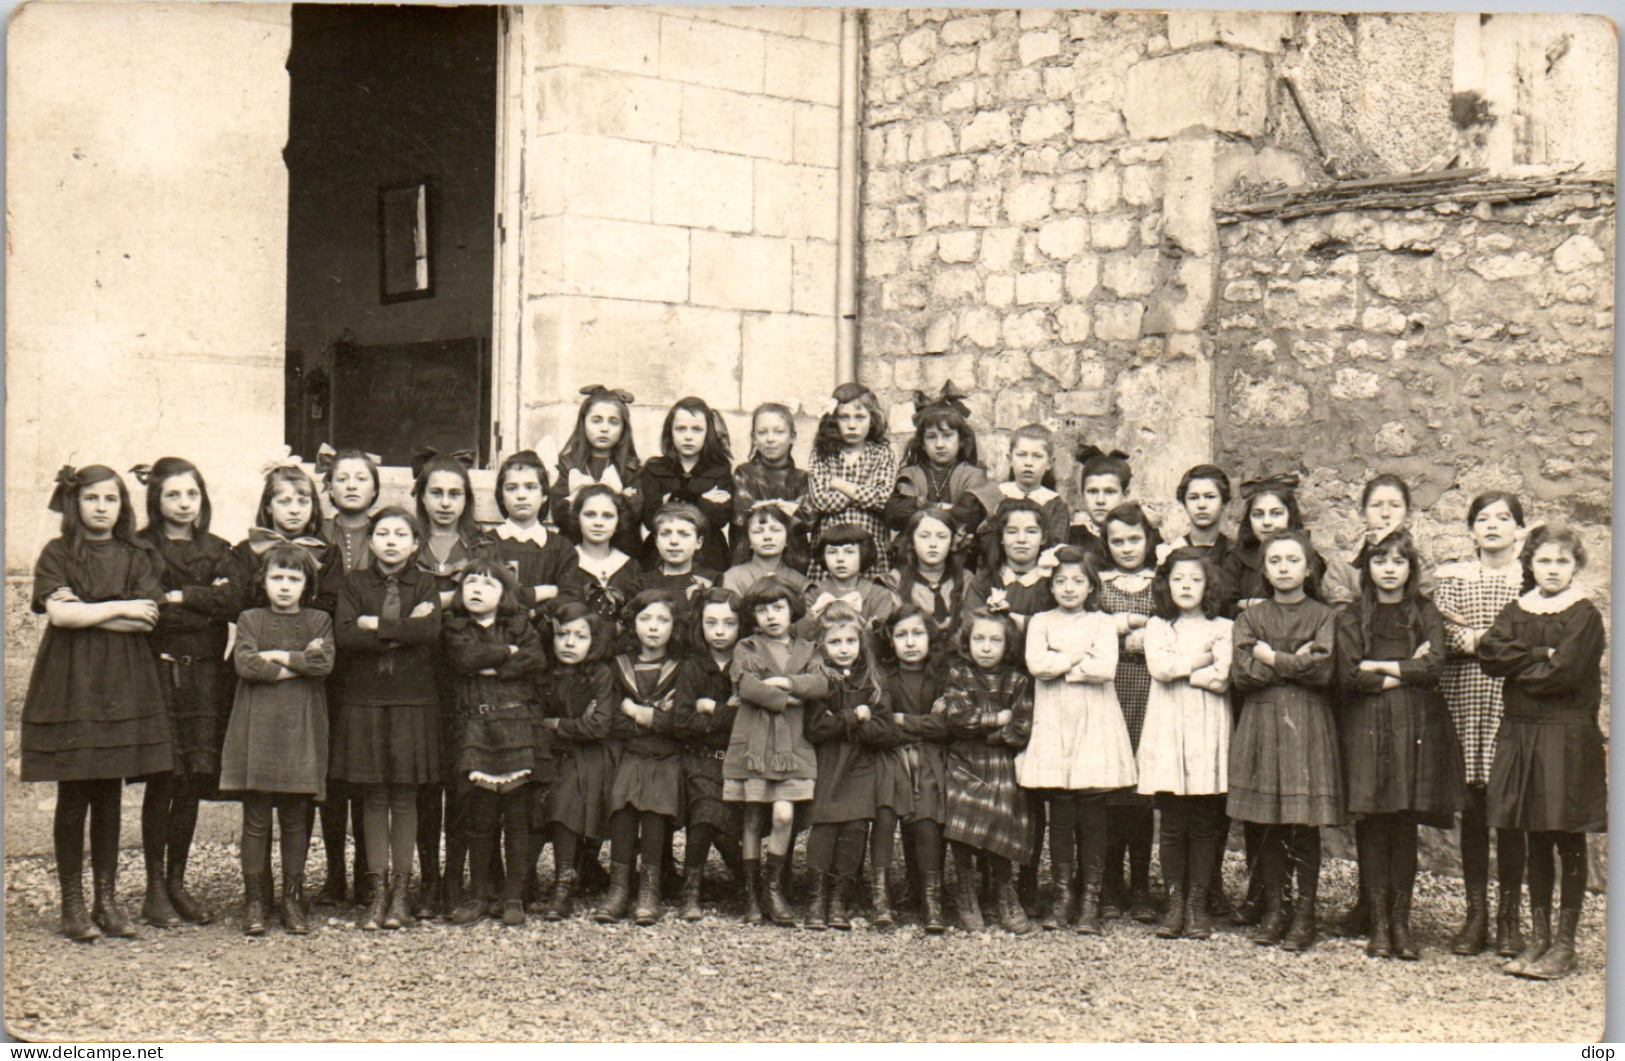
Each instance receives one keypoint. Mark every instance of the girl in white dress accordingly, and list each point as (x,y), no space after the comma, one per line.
(1080,747)
(1185,745)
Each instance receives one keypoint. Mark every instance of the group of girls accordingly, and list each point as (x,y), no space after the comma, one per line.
(856,650)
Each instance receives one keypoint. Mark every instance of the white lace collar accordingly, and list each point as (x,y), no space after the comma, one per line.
(1129,581)
(1536,604)
(1041,495)
(535,534)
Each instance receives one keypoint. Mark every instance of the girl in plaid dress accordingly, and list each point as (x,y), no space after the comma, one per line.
(1470,594)
(853,470)
(989,706)
(1127,552)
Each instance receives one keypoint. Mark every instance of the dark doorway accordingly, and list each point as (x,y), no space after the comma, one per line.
(391,218)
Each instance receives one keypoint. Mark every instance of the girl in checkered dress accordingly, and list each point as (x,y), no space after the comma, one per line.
(1470,594)
(853,470)
(1127,551)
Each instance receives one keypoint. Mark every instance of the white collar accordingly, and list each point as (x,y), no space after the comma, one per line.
(1535,604)
(535,534)
(1041,495)
(1129,581)
(1030,579)
(601,569)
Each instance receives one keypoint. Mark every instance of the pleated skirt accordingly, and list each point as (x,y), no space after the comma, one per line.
(1284,762)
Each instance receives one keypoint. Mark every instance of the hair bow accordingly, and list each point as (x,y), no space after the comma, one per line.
(327,456)
(998,600)
(579,480)
(594,389)
(1087,451)
(142,473)
(67,477)
(852,598)
(1282,481)
(830,407)
(789,508)
(951,398)
(1048,560)
(422,457)
(286,459)
(260,540)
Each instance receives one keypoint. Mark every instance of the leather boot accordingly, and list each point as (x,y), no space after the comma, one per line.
(1060,907)
(619,896)
(648,908)
(1540,939)
(1088,923)
(1198,912)
(841,900)
(513,912)
(1357,919)
(818,904)
(1379,944)
(778,908)
(1509,941)
(1218,902)
(1273,925)
(1172,924)
(968,903)
(880,899)
(106,912)
(1113,889)
(1301,936)
(1012,918)
(751,871)
(427,907)
(332,892)
(1559,960)
(367,888)
(76,922)
(156,909)
(181,899)
(295,919)
(691,895)
(253,905)
(471,910)
(1399,925)
(931,902)
(399,914)
(1473,935)
(1142,907)
(377,903)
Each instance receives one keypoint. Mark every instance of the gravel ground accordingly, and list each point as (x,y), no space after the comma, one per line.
(719,980)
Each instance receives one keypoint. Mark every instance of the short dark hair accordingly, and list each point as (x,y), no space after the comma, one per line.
(1130,514)
(1092,461)
(1547,534)
(714,595)
(684,511)
(1490,497)
(678,644)
(165,468)
(848,534)
(1012,633)
(1210,472)
(498,570)
(603,635)
(768,590)
(525,458)
(623,511)
(1071,554)
(1316,566)
(293,558)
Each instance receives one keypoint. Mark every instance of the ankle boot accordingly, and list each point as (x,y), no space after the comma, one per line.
(471,910)
(841,901)
(818,904)
(1172,924)
(691,894)
(880,898)
(592,877)
(1540,939)
(648,908)
(106,912)
(1301,936)
(156,909)
(564,891)
(253,905)
(76,922)
(377,902)
(1060,908)
(1253,907)
(1012,918)
(773,889)
(295,919)
(1198,912)
(1473,935)
(1509,923)
(1379,944)
(751,871)
(619,897)
(1357,919)
(367,887)
(399,914)
(1399,926)
(332,892)
(1142,907)
(1275,921)
(181,899)
(968,903)
(1559,960)
(1113,890)
(931,902)
(1218,902)
(1088,923)
(427,907)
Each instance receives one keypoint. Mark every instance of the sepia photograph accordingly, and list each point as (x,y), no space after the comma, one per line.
(566,523)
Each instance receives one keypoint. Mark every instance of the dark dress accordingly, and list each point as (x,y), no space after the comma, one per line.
(985,807)
(572,476)
(664,481)
(706,737)
(245,569)
(911,765)
(649,775)
(383,688)
(1133,681)
(1550,772)
(539,558)
(1399,748)
(581,697)
(679,587)
(496,720)
(1284,763)
(95,707)
(605,589)
(190,642)
(278,737)
(1002,590)
(846,748)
